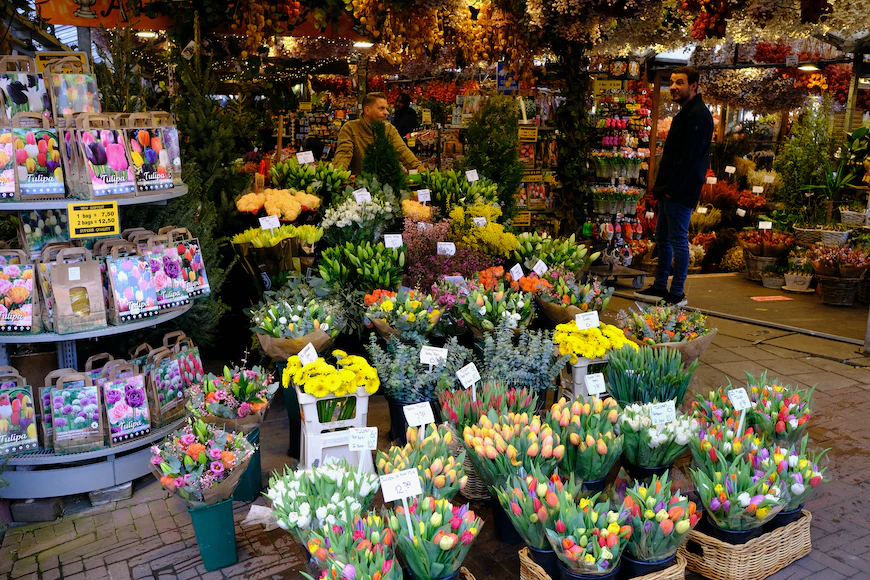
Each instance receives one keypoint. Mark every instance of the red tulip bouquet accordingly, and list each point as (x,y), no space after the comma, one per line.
(721,443)
(462,411)
(589,538)
(780,412)
(363,549)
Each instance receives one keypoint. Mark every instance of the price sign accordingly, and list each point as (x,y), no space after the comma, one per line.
(730,169)
(270,222)
(739,399)
(516,272)
(412,142)
(468,375)
(304,157)
(791,60)
(401,485)
(90,220)
(765,225)
(305,106)
(471,175)
(308,354)
(594,384)
(711,181)
(540,268)
(413,172)
(587,320)
(757,189)
(431,355)
(427,116)
(649,215)
(423,195)
(528,134)
(769,178)
(393,240)
(362,439)
(446,248)
(661,413)
(479,222)
(702,210)
(361,195)
(741,212)
(419,414)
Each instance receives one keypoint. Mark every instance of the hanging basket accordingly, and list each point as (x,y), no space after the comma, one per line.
(756,264)
(838,291)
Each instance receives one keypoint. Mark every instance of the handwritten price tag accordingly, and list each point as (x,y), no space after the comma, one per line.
(702,210)
(516,272)
(479,221)
(594,384)
(471,175)
(662,413)
(361,195)
(431,355)
(424,195)
(649,215)
(468,375)
(730,169)
(270,222)
(446,248)
(711,181)
(362,439)
(304,157)
(769,178)
(393,240)
(739,399)
(540,268)
(419,414)
(791,60)
(587,320)
(765,225)
(757,189)
(741,212)
(308,354)
(401,485)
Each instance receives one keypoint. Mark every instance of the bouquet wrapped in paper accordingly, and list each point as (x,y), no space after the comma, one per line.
(238,399)
(284,328)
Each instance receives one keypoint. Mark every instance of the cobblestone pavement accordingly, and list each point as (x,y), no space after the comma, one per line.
(151,536)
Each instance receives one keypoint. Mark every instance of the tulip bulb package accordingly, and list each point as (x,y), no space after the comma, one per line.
(7,164)
(127,409)
(18,433)
(77,422)
(166,273)
(23,93)
(108,167)
(192,264)
(17,298)
(151,162)
(131,292)
(73,93)
(37,162)
(40,228)
(166,390)
(169,135)
(77,287)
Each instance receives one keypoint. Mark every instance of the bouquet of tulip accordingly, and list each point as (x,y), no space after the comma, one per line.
(440,539)
(660,521)
(715,409)
(363,550)
(285,320)
(721,443)
(441,475)
(780,412)
(735,497)
(406,312)
(238,399)
(483,308)
(201,463)
(532,502)
(651,445)
(592,343)
(660,324)
(566,297)
(499,446)
(333,493)
(797,471)
(589,538)
(588,431)
(459,408)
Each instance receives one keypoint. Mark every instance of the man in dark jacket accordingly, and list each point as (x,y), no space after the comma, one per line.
(682,173)
(405,118)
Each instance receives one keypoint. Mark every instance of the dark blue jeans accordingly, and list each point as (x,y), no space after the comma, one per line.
(672,241)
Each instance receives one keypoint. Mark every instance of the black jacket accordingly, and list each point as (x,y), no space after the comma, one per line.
(683,167)
(405,121)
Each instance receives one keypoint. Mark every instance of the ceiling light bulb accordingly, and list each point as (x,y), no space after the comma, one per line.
(146,34)
(363,44)
(808,67)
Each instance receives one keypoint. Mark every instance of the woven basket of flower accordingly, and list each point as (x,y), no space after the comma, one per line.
(529,569)
(465,574)
(754,560)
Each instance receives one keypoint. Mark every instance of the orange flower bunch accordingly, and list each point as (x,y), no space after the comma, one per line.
(376,297)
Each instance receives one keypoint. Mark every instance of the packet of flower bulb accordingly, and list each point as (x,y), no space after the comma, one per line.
(165,389)
(77,286)
(18,432)
(22,87)
(131,294)
(126,405)
(19,301)
(151,163)
(77,419)
(166,273)
(192,263)
(109,170)
(38,173)
(7,164)
(170,140)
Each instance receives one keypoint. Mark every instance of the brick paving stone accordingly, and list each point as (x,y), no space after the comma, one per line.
(85,525)
(170,537)
(826,381)
(47,542)
(753,353)
(94,562)
(67,547)
(188,574)
(107,533)
(119,571)
(98,573)
(145,529)
(133,550)
(738,370)
(176,505)
(827,364)
(158,510)
(50,575)
(47,563)
(122,517)
(140,511)
(72,567)
(165,524)
(102,519)
(789,367)
(24,566)
(714,355)
(127,533)
(142,571)
(79,576)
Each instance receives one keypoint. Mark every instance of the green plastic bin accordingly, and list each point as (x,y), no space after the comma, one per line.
(251,483)
(291,403)
(215,534)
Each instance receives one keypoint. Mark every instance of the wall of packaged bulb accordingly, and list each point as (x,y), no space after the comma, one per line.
(620,158)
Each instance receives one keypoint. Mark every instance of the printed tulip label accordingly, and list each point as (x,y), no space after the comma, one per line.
(516,272)
(364,439)
(133,293)
(446,248)
(419,414)
(37,162)
(594,384)
(308,354)
(7,165)
(109,170)
(587,320)
(739,399)
(431,355)
(661,413)
(16,298)
(127,409)
(468,375)
(392,240)
(18,431)
(151,163)
(24,93)
(400,485)
(166,277)
(424,195)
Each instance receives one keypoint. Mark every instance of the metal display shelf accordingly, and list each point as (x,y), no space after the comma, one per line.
(33,475)
(158,197)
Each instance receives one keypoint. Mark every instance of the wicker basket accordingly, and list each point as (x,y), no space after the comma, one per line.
(756,264)
(754,560)
(464,574)
(529,570)
(806,236)
(474,489)
(853,218)
(832,238)
(838,291)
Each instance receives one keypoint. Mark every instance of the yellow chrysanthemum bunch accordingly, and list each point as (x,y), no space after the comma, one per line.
(591,343)
(490,238)
(416,211)
(321,379)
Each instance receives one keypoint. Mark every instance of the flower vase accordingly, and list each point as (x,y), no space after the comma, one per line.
(504,528)
(595,485)
(251,483)
(632,568)
(642,472)
(546,559)
(566,574)
(215,534)
(784,518)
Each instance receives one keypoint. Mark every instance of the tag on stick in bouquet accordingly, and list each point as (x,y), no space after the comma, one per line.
(711,181)
(595,384)
(757,189)
(702,210)
(393,240)
(308,354)
(400,485)
(516,272)
(769,179)
(468,375)
(362,438)
(270,222)
(424,195)
(455,280)
(471,175)
(446,248)
(419,414)
(765,225)
(740,212)
(739,399)
(479,222)
(540,268)
(304,157)
(730,169)
(587,320)
(362,195)
(432,355)
(661,413)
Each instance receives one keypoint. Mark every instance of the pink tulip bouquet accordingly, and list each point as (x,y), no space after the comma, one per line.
(798,471)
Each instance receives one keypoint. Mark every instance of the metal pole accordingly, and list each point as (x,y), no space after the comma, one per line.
(84,40)
(857,61)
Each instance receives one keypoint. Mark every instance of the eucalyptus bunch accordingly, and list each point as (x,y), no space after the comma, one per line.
(648,375)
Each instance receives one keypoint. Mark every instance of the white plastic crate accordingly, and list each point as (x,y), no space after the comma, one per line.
(330,439)
(574,386)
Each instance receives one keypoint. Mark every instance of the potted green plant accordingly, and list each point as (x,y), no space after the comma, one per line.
(798,276)
(773,276)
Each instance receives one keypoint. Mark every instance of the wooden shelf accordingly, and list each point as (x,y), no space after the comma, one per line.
(156,197)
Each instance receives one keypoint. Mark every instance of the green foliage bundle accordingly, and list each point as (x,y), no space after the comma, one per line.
(528,360)
(648,375)
(405,379)
(121,86)
(382,161)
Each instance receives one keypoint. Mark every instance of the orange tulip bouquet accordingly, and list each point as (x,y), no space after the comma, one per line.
(237,399)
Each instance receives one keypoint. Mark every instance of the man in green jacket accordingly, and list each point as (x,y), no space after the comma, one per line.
(356,135)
